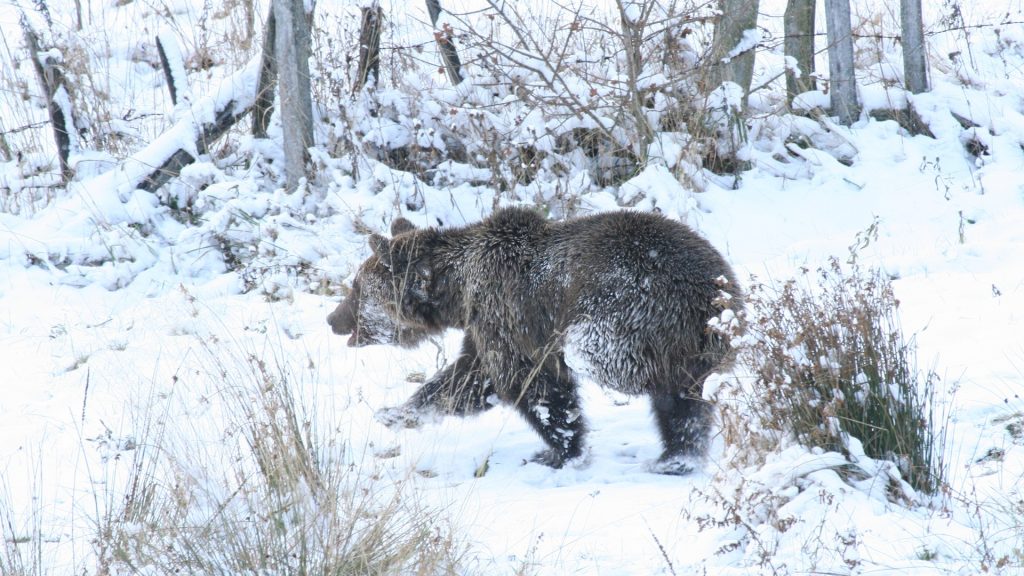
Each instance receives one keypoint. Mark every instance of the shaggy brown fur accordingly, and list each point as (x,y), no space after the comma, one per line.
(623,297)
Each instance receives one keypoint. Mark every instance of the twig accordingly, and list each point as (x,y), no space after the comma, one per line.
(85,394)
(664,553)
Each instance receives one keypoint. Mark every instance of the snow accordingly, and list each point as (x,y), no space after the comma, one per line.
(124,322)
(747,43)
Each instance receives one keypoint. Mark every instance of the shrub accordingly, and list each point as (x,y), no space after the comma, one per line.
(21,542)
(284,498)
(832,368)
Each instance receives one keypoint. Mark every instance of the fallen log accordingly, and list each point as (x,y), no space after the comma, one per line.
(181,157)
(190,137)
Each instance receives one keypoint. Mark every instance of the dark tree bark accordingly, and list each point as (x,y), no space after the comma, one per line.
(291,43)
(450,56)
(58,99)
(369,46)
(6,154)
(798,23)
(842,82)
(915,66)
(264,105)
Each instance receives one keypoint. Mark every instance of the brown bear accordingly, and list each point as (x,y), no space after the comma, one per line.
(622,297)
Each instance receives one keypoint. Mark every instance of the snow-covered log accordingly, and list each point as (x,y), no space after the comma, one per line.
(209,118)
(174,69)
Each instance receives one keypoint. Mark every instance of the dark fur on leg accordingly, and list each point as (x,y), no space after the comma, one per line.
(459,389)
(684,420)
(551,405)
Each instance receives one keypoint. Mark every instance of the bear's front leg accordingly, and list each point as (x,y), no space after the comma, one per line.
(551,405)
(459,389)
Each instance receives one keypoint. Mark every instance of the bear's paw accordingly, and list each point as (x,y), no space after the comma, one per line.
(399,417)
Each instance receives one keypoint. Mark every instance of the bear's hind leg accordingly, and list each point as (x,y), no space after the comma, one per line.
(684,422)
(551,405)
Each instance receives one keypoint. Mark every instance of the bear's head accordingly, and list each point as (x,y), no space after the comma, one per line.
(389,302)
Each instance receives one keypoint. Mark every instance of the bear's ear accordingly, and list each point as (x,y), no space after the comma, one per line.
(381,247)
(400,225)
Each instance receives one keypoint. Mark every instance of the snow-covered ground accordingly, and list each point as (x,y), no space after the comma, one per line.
(121,327)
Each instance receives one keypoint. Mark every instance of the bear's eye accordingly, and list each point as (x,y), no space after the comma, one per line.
(422,269)
(418,288)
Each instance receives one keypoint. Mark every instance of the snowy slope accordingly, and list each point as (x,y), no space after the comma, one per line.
(120,329)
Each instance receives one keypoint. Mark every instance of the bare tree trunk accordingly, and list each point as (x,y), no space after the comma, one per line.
(264,104)
(369,46)
(250,24)
(798,23)
(633,32)
(915,67)
(732,49)
(291,44)
(6,154)
(450,56)
(58,99)
(842,82)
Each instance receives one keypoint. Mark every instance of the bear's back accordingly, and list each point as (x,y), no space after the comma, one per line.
(624,262)
(632,249)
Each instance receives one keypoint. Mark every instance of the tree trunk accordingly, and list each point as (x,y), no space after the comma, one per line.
(732,49)
(915,67)
(450,56)
(291,44)
(58,100)
(6,154)
(369,46)
(842,82)
(264,105)
(633,25)
(798,23)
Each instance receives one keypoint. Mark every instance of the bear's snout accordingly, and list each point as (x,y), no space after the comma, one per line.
(343,319)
